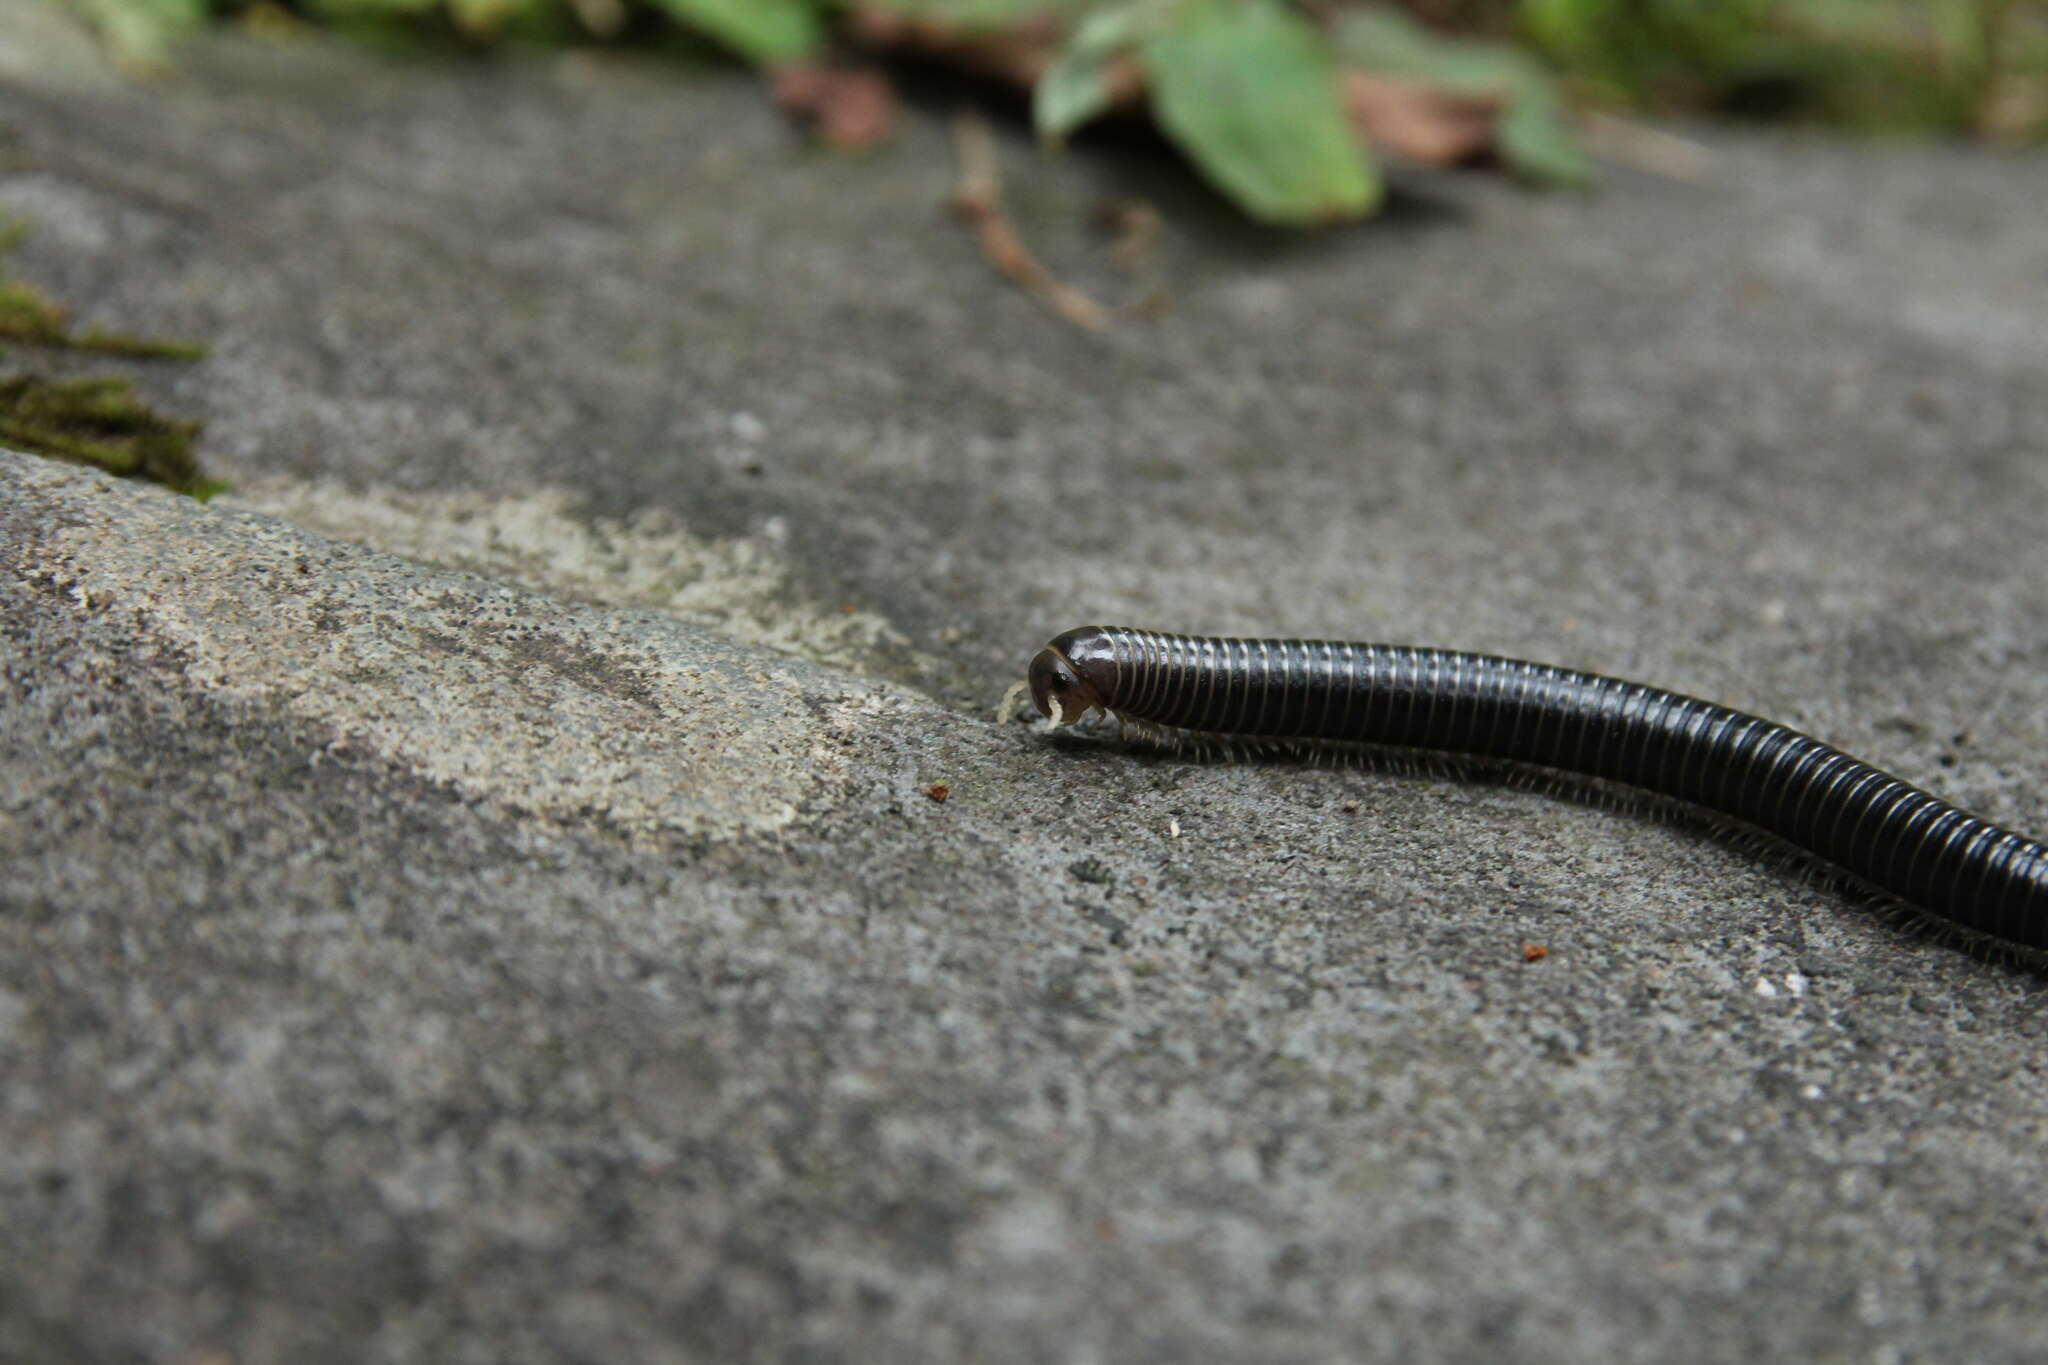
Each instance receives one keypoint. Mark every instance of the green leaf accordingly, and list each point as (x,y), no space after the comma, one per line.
(1072,92)
(1249,92)
(346,11)
(1534,141)
(975,14)
(140,32)
(1531,134)
(762,31)
(1385,41)
(1077,87)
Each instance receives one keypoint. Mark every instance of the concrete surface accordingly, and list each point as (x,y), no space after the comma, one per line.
(472,894)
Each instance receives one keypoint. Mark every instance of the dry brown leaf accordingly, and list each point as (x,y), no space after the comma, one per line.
(603,18)
(854,106)
(1418,121)
(1650,150)
(1019,54)
(2014,111)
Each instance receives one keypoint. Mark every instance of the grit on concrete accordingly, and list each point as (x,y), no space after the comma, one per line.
(472,894)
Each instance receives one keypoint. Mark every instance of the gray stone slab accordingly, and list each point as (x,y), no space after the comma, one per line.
(472,893)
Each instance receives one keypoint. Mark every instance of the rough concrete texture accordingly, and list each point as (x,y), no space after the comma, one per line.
(472,895)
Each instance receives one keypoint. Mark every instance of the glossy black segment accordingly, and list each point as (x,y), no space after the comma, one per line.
(1880,829)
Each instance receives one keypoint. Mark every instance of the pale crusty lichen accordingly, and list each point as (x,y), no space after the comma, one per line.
(736,585)
(532,704)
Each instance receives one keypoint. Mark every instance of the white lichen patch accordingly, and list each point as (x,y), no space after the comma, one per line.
(541,539)
(537,706)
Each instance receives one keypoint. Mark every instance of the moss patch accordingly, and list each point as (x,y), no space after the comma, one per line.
(96,420)
(101,421)
(29,315)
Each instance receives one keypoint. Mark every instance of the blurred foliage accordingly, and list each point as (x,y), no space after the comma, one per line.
(138,32)
(762,31)
(1531,137)
(1280,103)
(1940,65)
(1249,91)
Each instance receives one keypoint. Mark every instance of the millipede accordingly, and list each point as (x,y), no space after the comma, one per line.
(1878,831)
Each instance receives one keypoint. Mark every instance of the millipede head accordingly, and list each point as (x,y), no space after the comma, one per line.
(1073,675)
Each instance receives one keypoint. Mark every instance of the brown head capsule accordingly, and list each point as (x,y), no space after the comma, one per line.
(1074,674)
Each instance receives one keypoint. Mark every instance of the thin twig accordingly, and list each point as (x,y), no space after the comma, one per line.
(1643,148)
(979,203)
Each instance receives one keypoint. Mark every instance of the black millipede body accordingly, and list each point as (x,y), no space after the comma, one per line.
(1880,830)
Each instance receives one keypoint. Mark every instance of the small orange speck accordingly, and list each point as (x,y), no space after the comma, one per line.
(846,609)
(938,791)
(1534,952)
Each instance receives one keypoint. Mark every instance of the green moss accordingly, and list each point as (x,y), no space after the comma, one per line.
(96,420)
(136,348)
(28,315)
(1960,65)
(101,421)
